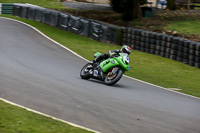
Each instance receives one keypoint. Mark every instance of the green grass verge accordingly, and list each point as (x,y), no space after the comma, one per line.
(186,27)
(147,67)
(18,120)
(54,4)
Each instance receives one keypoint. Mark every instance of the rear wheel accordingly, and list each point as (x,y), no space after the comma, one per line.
(111,79)
(85,71)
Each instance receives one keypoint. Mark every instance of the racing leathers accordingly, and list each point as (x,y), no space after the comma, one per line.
(106,56)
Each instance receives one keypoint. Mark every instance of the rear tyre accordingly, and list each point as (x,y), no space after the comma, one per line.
(112,79)
(85,72)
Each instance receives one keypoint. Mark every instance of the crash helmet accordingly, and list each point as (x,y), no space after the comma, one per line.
(126,49)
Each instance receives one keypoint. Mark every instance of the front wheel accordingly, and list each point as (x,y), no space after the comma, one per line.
(85,71)
(111,79)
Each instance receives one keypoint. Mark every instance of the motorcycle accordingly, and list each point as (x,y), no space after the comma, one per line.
(110,70)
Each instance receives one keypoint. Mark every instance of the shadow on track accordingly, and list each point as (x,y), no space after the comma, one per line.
(117,85)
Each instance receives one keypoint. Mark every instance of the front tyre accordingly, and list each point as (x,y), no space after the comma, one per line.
(112,79)
(85,72)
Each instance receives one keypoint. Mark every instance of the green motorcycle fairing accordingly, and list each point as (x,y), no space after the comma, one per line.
(122,61)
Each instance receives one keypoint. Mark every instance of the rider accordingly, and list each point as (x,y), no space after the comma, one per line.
(125,49)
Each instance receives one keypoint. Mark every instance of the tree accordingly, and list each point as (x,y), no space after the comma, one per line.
(171,5)
(128,8)
(116,5)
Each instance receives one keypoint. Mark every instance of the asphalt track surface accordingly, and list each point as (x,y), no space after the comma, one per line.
(39,74)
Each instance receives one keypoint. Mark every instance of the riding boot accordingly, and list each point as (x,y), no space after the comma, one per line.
(96,60)
(99,58)
(92,62)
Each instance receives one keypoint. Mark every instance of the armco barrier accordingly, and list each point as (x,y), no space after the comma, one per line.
(50,17)
(39,14)
(24,11)
(175,48)
(28,11)
(16,10)
(95,29)
(106,33)
(85,26)
(110,34)
(74,24)
(79,25)
(47,16)
(54,18)
(31,13)
(167,46)
(63,21)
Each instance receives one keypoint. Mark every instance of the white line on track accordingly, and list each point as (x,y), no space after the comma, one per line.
(85,60)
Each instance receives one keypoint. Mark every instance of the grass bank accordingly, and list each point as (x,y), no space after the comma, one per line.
(17,120)
(186,27)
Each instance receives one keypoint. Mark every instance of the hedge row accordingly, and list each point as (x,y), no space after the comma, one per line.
(163,45)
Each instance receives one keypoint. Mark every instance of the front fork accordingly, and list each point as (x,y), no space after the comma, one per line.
(115,69)
(112,73)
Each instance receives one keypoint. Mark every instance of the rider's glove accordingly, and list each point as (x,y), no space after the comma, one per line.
(111,53)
